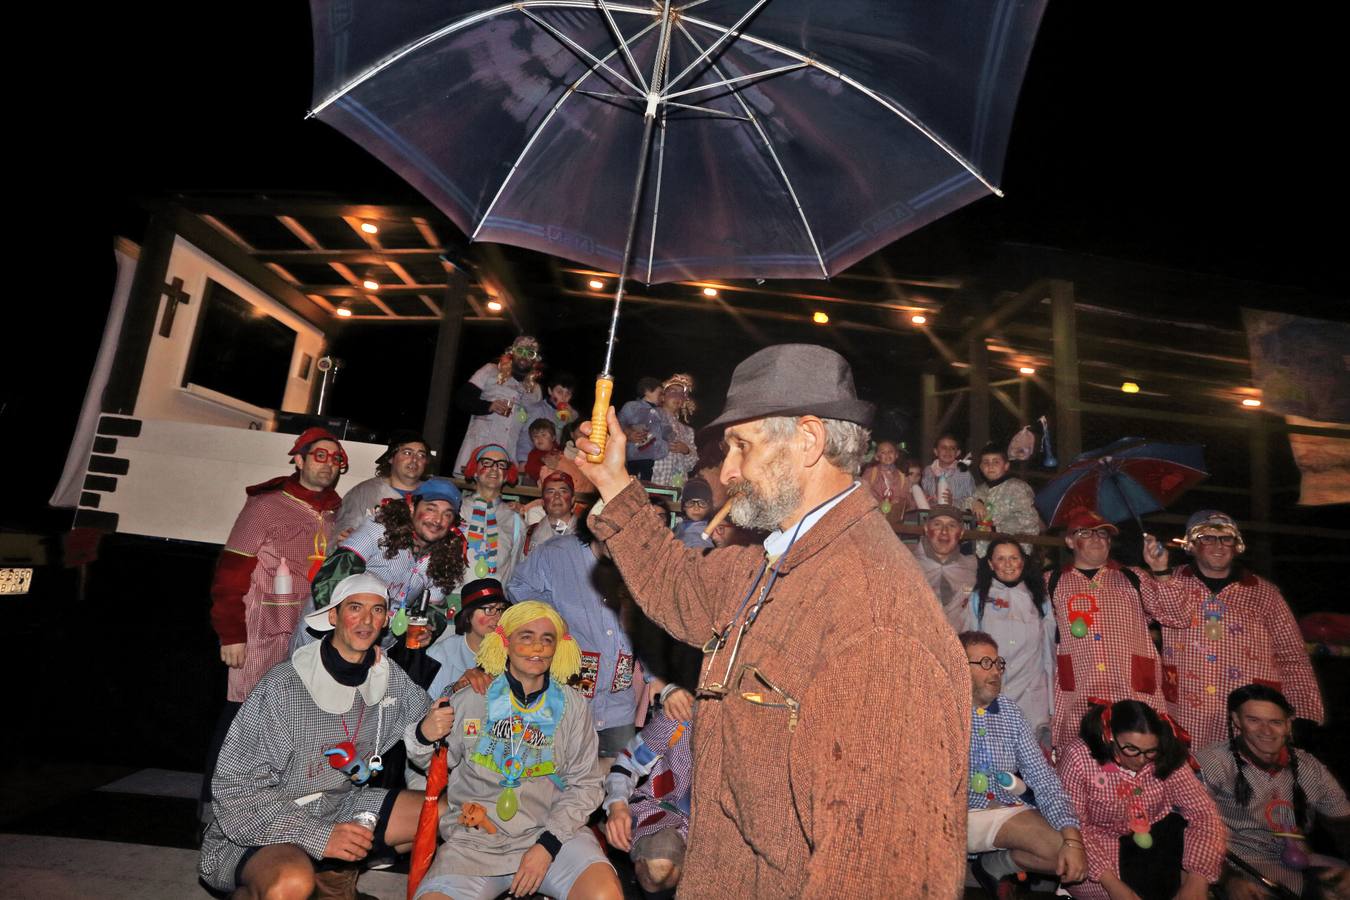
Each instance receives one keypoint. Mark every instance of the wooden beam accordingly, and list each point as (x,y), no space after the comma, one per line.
(978,354)
(1033,293)
(360,257)
(1259,438)
(1002,397)
(138,322)
(301,206)
(230,255)
(1241,423)
(1068,425)
(928,413)
(1039,332)
(946,419)
(441,392)
(356,290)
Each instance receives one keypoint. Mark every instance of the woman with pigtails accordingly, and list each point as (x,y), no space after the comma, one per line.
(1150,828)
(524,772)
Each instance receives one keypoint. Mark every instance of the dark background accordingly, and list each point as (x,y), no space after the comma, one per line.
(1188,136)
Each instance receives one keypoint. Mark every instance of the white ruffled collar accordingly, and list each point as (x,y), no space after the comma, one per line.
(324,689)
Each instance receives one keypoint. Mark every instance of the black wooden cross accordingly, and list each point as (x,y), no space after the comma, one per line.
(174,291)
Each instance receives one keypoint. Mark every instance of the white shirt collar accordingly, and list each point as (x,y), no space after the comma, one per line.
(776,544)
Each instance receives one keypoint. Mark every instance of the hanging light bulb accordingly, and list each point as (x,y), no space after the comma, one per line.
(370,228)
(1129,387)
(370,284)
(345,310)
(918,318)
(820,318)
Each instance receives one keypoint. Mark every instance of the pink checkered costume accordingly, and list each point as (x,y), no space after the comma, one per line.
(1243,635)
(1115,658)
(1101,793)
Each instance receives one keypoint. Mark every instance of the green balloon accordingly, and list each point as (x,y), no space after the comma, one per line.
(885,507)
(481,569)
(400,623)
(1143,840)
(1079,628)
(507,804)
(979,782)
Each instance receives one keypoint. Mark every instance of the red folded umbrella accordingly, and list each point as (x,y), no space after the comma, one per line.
(428,821)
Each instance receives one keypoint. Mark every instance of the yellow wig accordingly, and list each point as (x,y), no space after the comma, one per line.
(566,655)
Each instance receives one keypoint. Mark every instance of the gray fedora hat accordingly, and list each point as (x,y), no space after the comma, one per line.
(793,380)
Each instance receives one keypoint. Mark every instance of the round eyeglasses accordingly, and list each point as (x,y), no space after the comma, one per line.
(986,663)
(1132,751)
(1101,534)
(502,464)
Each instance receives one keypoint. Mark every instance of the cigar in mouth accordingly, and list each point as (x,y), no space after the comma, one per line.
(717,519)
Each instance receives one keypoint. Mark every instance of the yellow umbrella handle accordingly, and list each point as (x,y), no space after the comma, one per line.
(604,390)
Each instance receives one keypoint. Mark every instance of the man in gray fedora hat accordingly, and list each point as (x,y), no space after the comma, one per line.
(831,748)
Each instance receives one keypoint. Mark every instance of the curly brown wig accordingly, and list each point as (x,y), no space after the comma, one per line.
(447,557)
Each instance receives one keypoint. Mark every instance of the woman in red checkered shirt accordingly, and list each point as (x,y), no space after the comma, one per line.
(1150,827)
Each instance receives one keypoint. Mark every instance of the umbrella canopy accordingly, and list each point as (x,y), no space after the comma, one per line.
(1123,481)
(779,138)
(428,820)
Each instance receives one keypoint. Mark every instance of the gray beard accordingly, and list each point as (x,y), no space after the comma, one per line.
(763,508)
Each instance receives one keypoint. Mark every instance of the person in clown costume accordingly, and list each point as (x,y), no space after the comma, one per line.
(1151,829)
(1236,629)
(497,398)
(493,531)
(524,774)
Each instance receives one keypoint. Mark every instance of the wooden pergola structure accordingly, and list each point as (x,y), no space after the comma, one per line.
(331,262)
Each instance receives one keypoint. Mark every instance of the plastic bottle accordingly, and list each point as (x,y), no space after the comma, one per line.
(1011,783)
(281,580)
(944,491)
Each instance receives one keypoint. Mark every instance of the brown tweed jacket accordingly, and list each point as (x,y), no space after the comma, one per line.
(865,795)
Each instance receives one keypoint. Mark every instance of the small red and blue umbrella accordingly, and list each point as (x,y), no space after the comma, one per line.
(1123,480)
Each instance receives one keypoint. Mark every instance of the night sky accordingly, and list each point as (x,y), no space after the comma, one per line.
(1204,140)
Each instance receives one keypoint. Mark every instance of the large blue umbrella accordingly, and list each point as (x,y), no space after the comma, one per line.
(1123,480)
(670,141)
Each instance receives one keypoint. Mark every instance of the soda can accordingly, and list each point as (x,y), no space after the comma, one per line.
(367,820)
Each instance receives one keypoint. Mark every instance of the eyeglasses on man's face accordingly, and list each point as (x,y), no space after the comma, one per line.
(320,455)
(1101,534)
(1209,540)
(524,352)
(987,663)
(492,609)
(488,463)
(410,453)
(1132,751)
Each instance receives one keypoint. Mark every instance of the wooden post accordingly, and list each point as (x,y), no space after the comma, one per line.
(928,414)
(978,355)
(1068,427)
(1024,401)
(443,366)
(142,314)
(1260,488)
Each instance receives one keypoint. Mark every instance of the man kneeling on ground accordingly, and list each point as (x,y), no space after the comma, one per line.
(524,773)
(1005,760)
(294,812)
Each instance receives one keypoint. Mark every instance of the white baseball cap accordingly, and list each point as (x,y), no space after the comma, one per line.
(364,583)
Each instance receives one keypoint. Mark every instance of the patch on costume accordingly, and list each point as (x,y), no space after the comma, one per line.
(663,783)
(623,673)
(589,674)
(472,727)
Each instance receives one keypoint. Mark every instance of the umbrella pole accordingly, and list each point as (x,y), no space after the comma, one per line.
(604,382)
